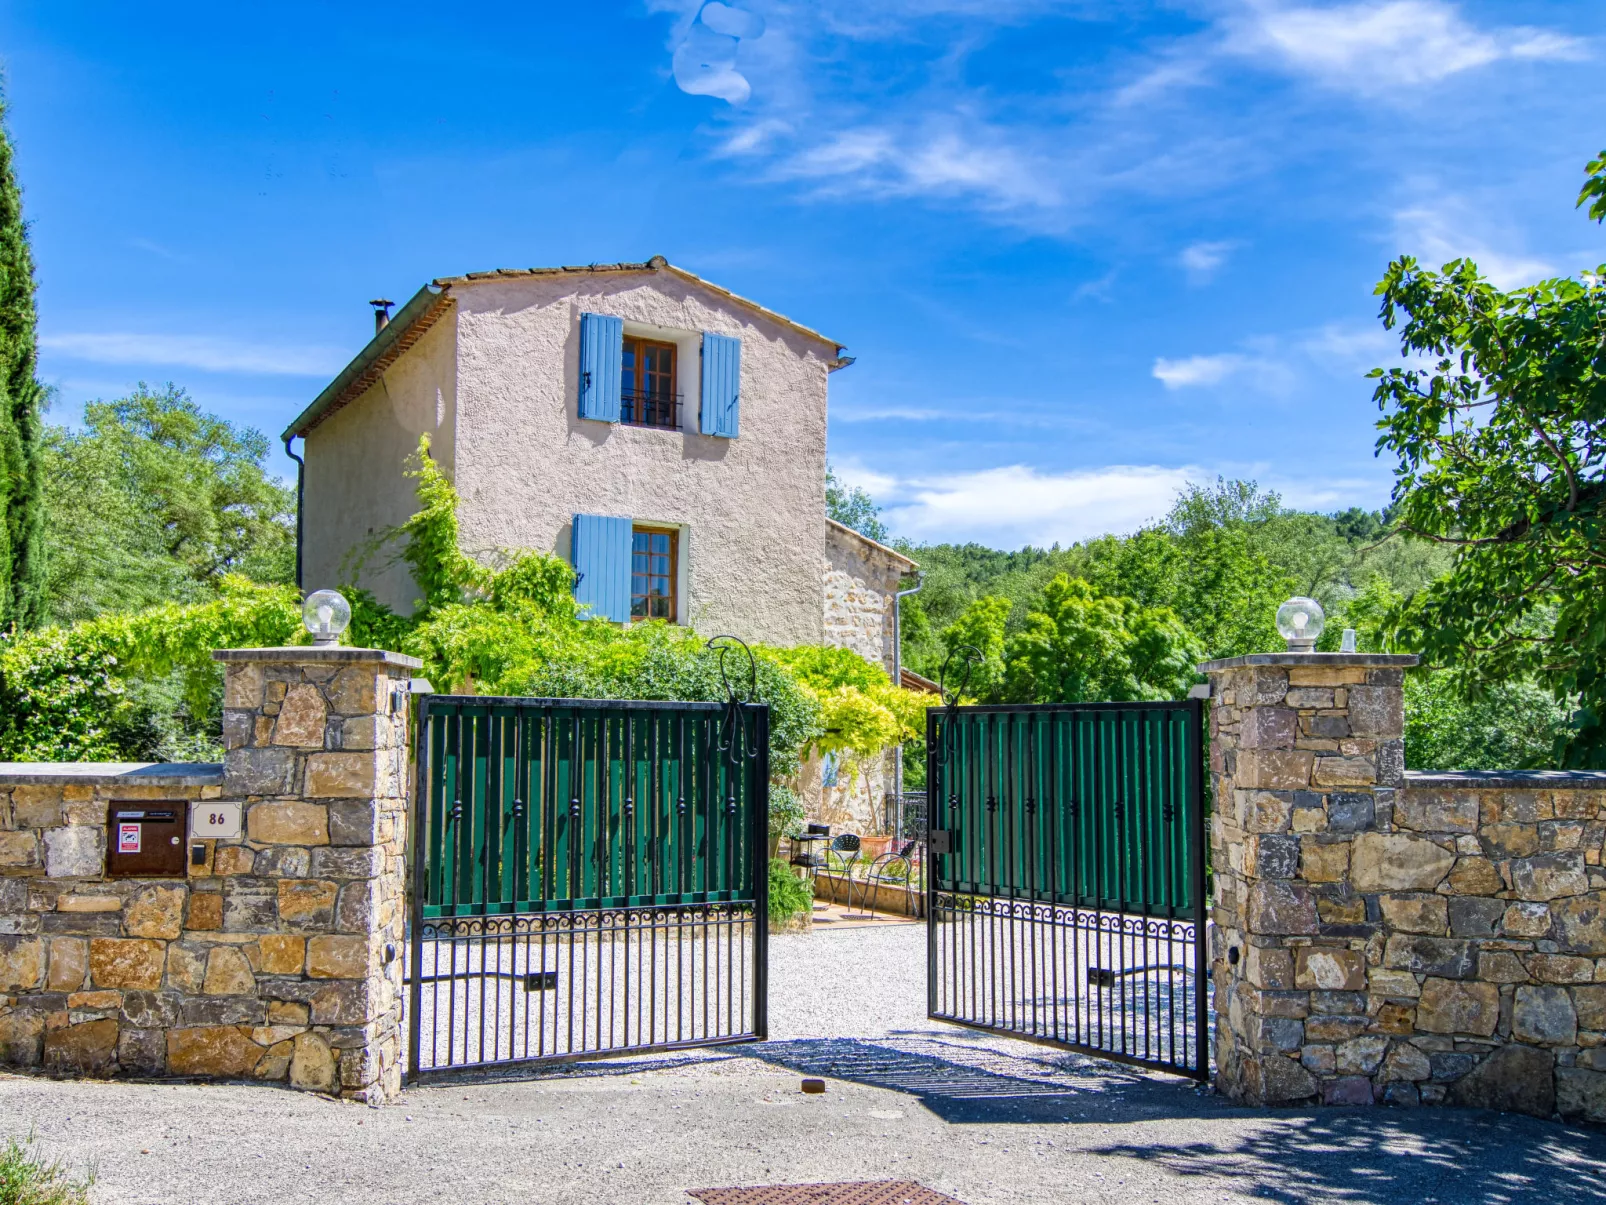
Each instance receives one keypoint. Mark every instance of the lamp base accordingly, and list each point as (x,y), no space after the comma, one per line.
(1302,644)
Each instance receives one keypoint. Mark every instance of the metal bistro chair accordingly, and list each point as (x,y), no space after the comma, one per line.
(846,848)
(889,868)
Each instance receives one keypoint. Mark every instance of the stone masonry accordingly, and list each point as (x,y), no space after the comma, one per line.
(1389,937)
(278,956)
(861,578)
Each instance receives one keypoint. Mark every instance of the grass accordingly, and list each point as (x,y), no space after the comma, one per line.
(28,1179)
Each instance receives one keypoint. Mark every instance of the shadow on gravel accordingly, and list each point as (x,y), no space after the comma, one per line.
(963,1082)
(1446,1156)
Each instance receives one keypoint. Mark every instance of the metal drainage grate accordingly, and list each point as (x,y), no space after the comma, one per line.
(861,1192)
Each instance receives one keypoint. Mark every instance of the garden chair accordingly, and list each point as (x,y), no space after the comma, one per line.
(846,848)
(891,867)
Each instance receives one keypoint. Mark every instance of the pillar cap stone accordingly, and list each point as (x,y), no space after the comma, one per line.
(306,654)
(1508,780)
(1288,660)
(132,774)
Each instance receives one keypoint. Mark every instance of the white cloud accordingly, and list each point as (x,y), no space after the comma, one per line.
(205,352)
(1450,228)
(874,414)
(1351,347)
(755,138)
(875,98)
(886,162)
(1200,370)
(1375,47)
(854,472)
(1202,259)
(1279,365)
(1016,505)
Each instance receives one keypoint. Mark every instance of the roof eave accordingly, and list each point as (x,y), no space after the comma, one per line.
(383,342)
(656,264)
(892,553)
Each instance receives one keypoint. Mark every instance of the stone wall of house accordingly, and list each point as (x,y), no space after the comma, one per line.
(854,800)
(276,956)
(861,579)
(1393,937)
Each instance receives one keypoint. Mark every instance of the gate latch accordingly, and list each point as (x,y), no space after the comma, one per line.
(1100,977)
(940,841)
(541,981)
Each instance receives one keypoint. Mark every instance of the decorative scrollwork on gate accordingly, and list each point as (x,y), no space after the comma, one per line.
(583,922)
(735,743)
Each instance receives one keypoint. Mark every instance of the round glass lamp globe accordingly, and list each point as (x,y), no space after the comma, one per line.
(1300,621)
(326,614)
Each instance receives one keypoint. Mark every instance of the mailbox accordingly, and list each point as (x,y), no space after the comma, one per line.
(146,840)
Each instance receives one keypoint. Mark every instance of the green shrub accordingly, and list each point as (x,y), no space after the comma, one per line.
(786,811)
(789,895)
(28,1179)
(1452,723)
(143,685)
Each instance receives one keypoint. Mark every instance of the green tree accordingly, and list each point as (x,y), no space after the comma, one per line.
(154,501)
(979,627)
(851,506)
(21,397)
(1083,646)
(1501,442)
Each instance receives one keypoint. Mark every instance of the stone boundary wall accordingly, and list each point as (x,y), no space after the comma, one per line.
(1390,937)
(279,955)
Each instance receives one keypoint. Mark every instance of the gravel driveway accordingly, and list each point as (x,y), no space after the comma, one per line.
(987,1120)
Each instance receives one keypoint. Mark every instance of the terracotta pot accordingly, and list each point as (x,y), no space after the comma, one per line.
(873,847)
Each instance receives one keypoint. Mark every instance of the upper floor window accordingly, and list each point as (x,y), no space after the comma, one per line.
(653,555)
(632,380)
(647,396)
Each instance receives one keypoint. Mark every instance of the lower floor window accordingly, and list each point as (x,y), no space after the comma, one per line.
(653,555)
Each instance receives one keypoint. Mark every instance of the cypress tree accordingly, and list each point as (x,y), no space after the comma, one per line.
(22,568)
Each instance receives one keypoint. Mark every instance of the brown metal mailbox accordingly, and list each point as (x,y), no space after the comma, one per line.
(146,840)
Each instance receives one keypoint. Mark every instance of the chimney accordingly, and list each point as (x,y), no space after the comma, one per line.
(381,313)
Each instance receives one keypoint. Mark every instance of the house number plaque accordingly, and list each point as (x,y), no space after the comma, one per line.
(209,819)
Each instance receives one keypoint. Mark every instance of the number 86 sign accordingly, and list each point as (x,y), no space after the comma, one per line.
(212,819)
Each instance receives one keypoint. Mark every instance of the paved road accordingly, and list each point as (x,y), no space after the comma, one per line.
(988,1121)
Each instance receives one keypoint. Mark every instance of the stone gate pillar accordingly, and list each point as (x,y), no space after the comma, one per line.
(316,743)
(1306,758)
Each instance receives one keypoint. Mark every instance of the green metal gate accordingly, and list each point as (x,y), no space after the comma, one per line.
(587,879)
(1066,887)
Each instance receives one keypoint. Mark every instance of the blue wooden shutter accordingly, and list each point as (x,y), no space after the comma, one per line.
(600,553)
(722,385)
(602,349)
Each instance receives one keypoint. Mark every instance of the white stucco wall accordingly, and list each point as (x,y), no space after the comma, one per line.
(355,482)
(750,509)
(861,581)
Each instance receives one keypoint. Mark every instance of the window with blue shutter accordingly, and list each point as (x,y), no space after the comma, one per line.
(602,340)
(600,554)
(722,381)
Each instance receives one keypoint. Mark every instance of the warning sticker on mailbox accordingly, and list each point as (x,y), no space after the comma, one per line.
(128,838)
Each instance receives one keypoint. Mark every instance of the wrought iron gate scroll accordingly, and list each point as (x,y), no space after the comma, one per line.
(587,879)
(1065,889)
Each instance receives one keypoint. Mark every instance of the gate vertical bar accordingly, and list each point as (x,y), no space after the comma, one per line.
(418,839)
(935,788)
(1195,781)
(759,814)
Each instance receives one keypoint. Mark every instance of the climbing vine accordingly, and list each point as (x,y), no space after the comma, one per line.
(506,625)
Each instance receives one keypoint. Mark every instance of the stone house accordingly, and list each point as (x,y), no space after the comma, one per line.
(660,433)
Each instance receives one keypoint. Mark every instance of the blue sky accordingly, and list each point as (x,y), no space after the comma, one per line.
(1084,252)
